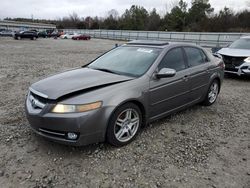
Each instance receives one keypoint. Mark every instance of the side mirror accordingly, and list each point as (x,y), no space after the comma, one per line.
(165,73)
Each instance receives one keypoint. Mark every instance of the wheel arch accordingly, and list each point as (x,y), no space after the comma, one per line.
(137,103)
(217,77)
(219,81)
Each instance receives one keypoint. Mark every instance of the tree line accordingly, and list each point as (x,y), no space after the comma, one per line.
(200,17)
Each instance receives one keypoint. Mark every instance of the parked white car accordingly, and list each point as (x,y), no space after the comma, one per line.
(68,35)
(237,56)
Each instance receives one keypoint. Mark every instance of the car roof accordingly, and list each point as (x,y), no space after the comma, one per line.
(158,44)
(148,42)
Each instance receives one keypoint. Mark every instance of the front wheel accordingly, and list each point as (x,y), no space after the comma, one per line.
(212,93)
(124,125)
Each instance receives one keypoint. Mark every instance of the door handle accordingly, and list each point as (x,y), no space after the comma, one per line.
(185,78)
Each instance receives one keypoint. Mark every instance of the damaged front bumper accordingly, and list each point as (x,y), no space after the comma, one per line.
(243,69)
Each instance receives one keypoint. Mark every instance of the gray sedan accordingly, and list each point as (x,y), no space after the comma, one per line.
(112,97)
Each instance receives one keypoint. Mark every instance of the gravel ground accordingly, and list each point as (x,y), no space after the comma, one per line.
(198,147)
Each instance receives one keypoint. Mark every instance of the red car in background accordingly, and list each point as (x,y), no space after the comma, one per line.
(81,37)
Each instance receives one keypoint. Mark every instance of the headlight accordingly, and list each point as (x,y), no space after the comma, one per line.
(68,108)
(247,60)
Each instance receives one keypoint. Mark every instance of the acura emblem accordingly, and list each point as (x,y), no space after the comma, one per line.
(33,102)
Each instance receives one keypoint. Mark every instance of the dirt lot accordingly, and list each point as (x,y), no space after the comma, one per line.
(198,147)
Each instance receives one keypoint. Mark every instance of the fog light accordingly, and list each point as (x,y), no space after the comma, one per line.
(72,136)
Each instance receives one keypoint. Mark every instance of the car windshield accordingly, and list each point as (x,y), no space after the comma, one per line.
(127,60)
(243,43)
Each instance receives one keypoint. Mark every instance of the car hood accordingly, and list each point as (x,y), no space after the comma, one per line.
(234,52)
(75,81)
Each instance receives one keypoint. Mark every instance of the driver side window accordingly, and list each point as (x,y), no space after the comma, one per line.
(173,59)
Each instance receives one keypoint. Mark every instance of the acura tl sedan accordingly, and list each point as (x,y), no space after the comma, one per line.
(112,97)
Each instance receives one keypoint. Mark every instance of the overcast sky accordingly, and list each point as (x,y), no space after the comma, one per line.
(53,9)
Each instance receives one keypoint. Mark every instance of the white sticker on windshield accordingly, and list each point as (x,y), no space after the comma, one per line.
(144,50)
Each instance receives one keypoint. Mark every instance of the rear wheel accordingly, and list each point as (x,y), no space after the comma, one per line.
(124,125)
(212,93)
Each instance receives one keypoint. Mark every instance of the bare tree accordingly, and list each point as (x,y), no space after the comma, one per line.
(74,17)
(113,13)
(170,5)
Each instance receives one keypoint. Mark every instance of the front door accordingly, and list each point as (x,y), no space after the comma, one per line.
(168,94)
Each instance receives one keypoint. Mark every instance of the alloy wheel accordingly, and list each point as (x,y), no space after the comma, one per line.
(213,92)
(126,125)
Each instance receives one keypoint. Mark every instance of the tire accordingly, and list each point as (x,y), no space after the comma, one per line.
(33,38)
(124,125)
(18,38)
(212,93)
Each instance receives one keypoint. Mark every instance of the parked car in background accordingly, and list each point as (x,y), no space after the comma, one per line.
(237,57)
(26,35)
(81,37)
(112,97)
(68,35)
(6,33)
(43,34)
(34,30)
(54,34)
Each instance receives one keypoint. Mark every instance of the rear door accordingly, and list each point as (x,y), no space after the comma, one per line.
(168,94)
(199,69)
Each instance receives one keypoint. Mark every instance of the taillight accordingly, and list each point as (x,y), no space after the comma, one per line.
(222,65)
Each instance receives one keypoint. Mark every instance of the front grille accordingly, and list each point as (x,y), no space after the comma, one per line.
(41,99)
(36,101)
(232,62)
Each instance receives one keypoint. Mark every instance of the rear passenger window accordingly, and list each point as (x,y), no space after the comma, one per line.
(174,60)
(204,56)
(195,56)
